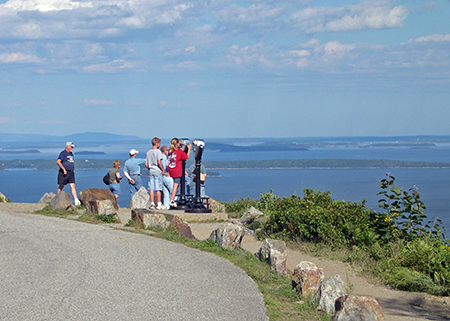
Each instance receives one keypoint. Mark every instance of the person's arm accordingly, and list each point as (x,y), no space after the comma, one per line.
(189,150)
(125,173)
(59,162)
(118,177)
(161,167)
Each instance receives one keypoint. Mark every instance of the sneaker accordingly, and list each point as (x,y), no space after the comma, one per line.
(161,207)
(173,204)
(77,202)
(152,206)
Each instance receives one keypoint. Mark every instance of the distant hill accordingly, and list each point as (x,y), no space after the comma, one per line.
(88,138)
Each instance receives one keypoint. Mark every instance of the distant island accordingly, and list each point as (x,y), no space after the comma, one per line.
(27,151)
(85,152)
(329,163)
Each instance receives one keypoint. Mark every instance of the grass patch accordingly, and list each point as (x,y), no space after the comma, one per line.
(49,211)
(91,218)
(281,301)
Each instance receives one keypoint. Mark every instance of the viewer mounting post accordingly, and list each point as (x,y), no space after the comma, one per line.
(197,204)
(182,203)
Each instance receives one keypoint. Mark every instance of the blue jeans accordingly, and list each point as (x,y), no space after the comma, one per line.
(136,186)
(115,188)
(167,190)
(155,182)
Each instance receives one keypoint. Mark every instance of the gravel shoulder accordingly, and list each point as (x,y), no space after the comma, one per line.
(396,305)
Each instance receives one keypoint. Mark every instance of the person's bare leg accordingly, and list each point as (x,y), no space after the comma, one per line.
(158,196)
(152,196)
(60,188)
(74,191)
(174,191)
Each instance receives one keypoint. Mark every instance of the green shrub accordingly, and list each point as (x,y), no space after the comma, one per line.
(318,218)
(240,206)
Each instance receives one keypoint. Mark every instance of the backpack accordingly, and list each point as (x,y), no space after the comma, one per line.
(106,179)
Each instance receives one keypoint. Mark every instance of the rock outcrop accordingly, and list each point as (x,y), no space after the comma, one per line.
(357,308)
(46,198)
(61,202)
(306,278)
(182,228)
(274,252)
(2,197)
(228,235)
(140,199)
(327,292)
(100,201)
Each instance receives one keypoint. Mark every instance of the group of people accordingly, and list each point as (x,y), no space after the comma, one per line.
(165,171)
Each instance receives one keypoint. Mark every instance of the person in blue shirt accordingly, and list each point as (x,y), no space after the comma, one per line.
(132,171)
(66,175)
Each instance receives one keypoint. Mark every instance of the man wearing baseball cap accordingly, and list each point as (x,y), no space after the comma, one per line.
(66,173)
(132,171)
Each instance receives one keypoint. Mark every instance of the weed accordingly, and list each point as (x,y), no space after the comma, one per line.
(49,211)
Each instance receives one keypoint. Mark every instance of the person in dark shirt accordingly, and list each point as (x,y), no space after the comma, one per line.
(66,173)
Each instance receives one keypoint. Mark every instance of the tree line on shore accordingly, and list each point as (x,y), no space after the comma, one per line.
(328,163)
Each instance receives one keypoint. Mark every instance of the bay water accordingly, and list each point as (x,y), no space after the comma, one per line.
(343,184)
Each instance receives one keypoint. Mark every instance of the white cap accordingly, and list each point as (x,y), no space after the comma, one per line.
(70,144)
(134,152)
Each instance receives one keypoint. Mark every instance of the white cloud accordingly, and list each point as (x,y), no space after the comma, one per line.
(336,50)
(255,56)
(256,19)
(114,66)
(56,19)
(434,38)
(377,14)
(18,57)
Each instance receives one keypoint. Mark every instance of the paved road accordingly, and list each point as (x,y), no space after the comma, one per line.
(56,269)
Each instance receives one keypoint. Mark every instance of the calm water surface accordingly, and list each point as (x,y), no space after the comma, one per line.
(350,184)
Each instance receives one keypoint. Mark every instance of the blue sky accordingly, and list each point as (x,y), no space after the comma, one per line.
(221,68)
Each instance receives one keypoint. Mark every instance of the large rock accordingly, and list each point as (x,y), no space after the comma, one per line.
(149,219)
(46,198)
(327,292)
(90,196)
(228,236)
(357,308)
(140,199)
(102,207)
(61,202)
(216,206)
(274,252)
(182,228)
(252,213)
(2,197)
(306,278)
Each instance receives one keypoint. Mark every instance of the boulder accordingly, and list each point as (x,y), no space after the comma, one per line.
(61,202)
(274,252)
(149,219)
(182,228)
(306,278)
(2,197)
(140,199)
(46,198)
(357,308)
(102,207)
(228,236)
(327,292)
(216,206)
(252,213)
(89,196)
